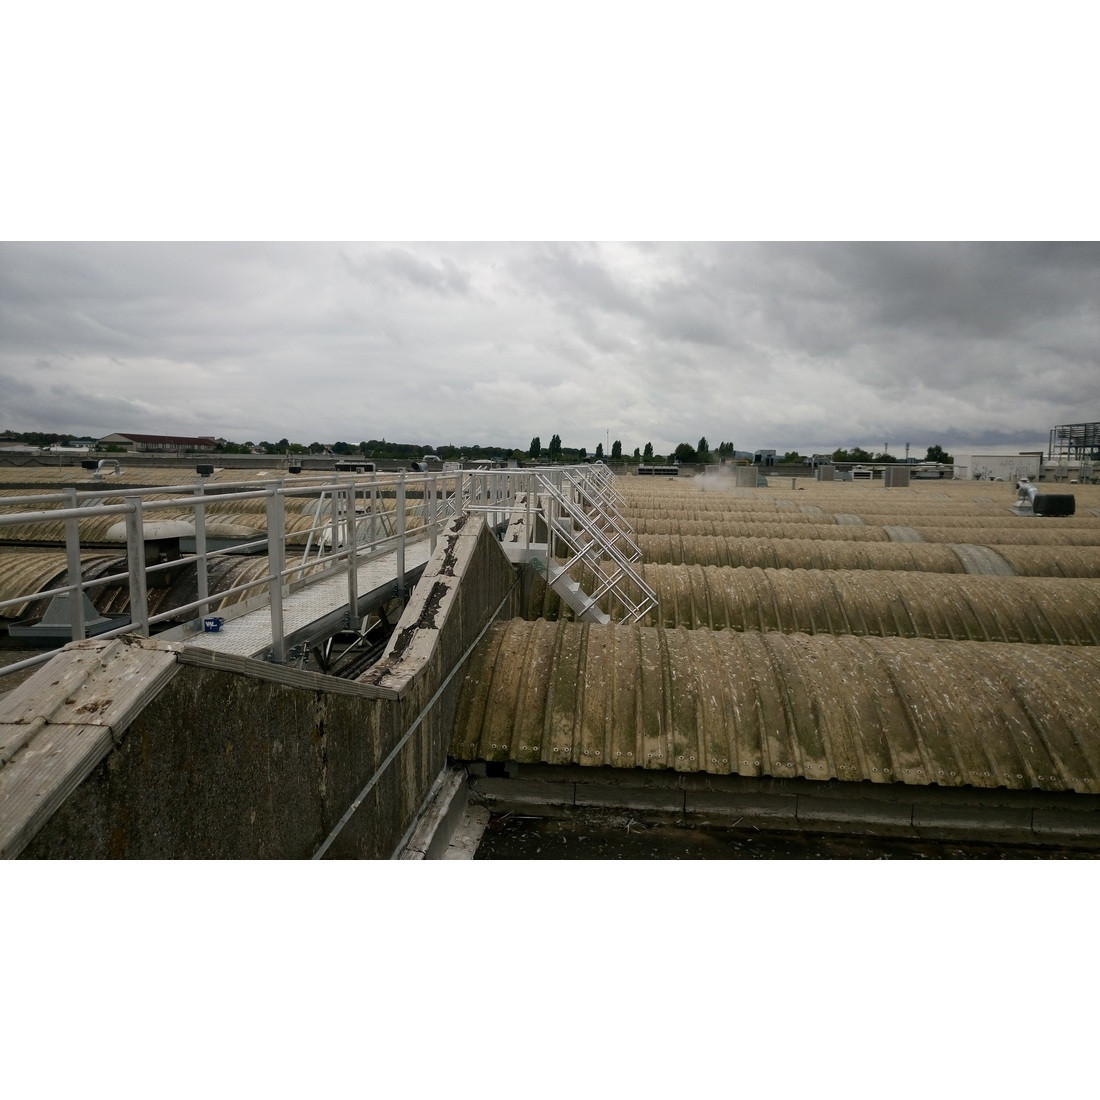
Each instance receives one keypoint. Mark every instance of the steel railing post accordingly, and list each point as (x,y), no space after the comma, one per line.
(334,519)
(351,527)
(401,534)
(430,499)
(202,581)
(135,562)
(372,524)
(276,562)
(72,559)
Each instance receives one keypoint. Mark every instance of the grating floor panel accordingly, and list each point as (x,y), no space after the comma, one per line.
(250,635)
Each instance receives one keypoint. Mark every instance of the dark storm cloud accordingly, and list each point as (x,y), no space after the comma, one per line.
(805,346)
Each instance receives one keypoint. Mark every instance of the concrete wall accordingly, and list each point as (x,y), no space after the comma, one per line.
(234,759)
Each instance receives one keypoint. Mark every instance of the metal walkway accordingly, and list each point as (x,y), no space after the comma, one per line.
(366,541)
(315,610)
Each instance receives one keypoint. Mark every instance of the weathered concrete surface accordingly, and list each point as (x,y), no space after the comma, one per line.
(56,726)
(223,759)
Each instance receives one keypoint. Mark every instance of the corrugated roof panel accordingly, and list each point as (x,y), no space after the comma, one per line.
(1036,610)
(812,706)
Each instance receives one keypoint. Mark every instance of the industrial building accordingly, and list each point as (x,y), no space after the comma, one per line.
(158,444)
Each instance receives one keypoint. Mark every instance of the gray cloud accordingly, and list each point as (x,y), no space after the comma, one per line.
(805,346)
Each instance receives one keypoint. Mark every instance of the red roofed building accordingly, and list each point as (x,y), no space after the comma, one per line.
(133,442)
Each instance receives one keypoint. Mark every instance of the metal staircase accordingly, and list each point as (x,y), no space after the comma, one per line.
(600,499)
(587,535)
(563,521)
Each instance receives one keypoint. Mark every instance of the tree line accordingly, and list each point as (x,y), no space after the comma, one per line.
(555,452)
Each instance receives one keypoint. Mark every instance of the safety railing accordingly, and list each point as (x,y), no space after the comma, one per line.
(305,529)
(338,524)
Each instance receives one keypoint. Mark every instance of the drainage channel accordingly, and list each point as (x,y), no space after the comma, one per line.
(622,836)
(487,811)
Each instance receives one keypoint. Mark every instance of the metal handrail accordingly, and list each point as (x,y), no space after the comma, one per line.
(367,516)
(70,507)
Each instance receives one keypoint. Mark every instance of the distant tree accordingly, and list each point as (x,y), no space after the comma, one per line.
(341,448)
(316,448)
(536,447)
(599,450)
(617,449)
(702,450)
(637,453)
(648,453)
(582,454)
(884,456)
(937,454)
(685,452)
(555,447)
(792,457)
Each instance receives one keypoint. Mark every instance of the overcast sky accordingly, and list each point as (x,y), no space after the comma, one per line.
(792,346)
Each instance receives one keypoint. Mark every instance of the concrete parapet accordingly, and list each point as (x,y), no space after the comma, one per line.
(134,749)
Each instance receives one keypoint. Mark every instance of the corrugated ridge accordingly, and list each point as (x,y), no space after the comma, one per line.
(722,528)
(985,714)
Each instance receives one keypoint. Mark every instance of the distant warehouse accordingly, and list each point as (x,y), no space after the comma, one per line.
(998,467)
(159,443)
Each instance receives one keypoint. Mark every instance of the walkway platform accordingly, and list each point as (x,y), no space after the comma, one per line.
(312,612)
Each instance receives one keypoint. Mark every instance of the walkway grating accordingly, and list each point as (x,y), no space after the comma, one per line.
(250,634)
